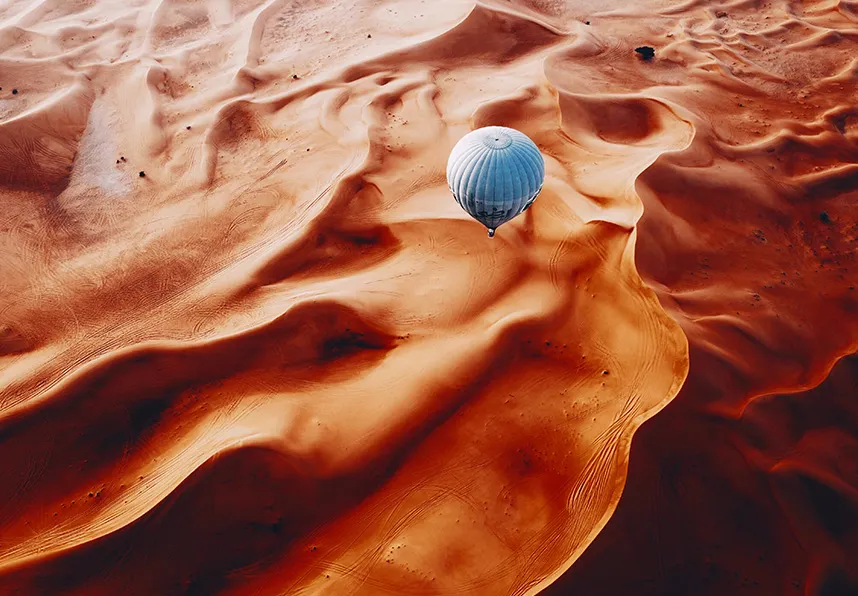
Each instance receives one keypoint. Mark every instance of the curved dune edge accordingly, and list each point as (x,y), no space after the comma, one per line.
(748,239)
(622,471)
(263,366)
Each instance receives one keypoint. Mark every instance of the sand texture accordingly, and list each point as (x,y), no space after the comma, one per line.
(249,343)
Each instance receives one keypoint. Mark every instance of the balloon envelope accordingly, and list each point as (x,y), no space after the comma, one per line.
(495,173)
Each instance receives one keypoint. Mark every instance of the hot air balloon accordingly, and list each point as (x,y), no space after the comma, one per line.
(495,173)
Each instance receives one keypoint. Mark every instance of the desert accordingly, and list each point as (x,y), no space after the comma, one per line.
(250,343)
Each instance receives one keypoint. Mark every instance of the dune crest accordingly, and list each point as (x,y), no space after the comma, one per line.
(746,482)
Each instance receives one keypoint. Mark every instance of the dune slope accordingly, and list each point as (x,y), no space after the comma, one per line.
(252,344)
(747,483)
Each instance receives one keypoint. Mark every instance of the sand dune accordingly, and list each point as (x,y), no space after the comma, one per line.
(249,343)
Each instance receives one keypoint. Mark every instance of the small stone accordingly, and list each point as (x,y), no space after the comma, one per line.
(586,22)
(295,77)
(824,217)
(14,92)
(187,128)
(142,174)
(645,52)
(369,36)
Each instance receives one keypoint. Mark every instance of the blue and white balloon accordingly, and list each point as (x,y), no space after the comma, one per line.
(495,173)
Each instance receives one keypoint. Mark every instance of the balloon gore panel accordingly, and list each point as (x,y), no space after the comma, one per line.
(495,173)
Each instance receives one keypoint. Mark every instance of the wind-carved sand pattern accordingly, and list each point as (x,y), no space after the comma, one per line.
(261,349)
(747,483)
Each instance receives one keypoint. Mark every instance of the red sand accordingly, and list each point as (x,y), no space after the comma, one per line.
(284,360)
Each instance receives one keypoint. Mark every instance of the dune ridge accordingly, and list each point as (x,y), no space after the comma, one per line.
(250,344)
(745,483)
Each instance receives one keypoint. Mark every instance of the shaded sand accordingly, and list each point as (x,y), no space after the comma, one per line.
(284,361)
(747,483)
(251,344)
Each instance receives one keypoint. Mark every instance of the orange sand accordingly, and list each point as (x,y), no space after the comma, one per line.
(284,361)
